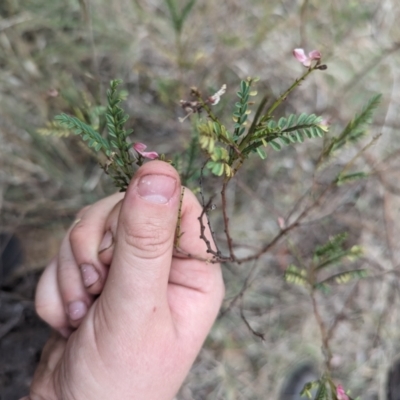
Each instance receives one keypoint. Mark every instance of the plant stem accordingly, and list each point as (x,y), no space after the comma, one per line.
(273,107)
(226,220)
(324,334)
(283,96)
(178,233)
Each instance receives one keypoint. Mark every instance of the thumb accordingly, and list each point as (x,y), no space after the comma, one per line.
(144,239)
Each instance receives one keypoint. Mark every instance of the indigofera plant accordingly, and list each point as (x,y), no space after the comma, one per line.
(223,147)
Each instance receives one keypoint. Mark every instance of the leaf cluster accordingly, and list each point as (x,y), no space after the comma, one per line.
(54,128)
(286,131)
(227,149)
(332,254)
(242,111)
(354,130)
(216,141)
(324,388)
(114,146)
(83,109)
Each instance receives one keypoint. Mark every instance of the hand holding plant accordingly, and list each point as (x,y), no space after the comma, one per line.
(223,148)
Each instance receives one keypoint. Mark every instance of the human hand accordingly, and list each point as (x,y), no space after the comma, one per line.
(74,277)
(141,335)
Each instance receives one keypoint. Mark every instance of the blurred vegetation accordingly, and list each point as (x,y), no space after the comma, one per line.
(59,56)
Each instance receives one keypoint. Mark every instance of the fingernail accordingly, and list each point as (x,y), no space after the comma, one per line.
(156,189)
(77,310)
(106,242)
(89,274)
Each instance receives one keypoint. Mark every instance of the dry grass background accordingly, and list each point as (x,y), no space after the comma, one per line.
(76,47)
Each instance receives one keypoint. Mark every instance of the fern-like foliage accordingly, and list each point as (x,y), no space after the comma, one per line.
(333,253)
(83,109)
(354,176)
(227,151)
(322,392)
(263,130)
(54,128)
(331,246)
(286,131)
(121,159)
(87,133)
(295,275)
(355,129)
(216,141)
(120,164)
(343,277)
(242,110)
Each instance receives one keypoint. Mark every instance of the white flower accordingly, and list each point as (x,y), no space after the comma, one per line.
(216,97)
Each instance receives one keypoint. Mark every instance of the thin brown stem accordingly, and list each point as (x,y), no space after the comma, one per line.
(245,286)
(226,221)
(324,333)
(182,254)
(254,332)
(284,231)
(215,253)
(178,232)
(339,317)
(208,207)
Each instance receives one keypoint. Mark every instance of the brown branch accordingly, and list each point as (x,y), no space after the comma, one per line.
(245,286)
(284,231)
(324,334)
(226,221)
(210,250)
(182,254)
(290,227)
(341,315)
(232,257)
(255,333)
(206,208)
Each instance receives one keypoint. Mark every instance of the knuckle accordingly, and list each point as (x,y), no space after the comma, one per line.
(151,239)
(78,232)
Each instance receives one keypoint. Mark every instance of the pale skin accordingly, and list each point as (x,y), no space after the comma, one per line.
(140,336)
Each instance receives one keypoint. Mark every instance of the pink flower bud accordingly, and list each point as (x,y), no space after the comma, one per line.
(304,59)
(281,223)
(340,393)
(140,148)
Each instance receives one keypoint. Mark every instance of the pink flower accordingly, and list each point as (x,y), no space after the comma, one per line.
(140,148)
(306,60)
(340,393)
